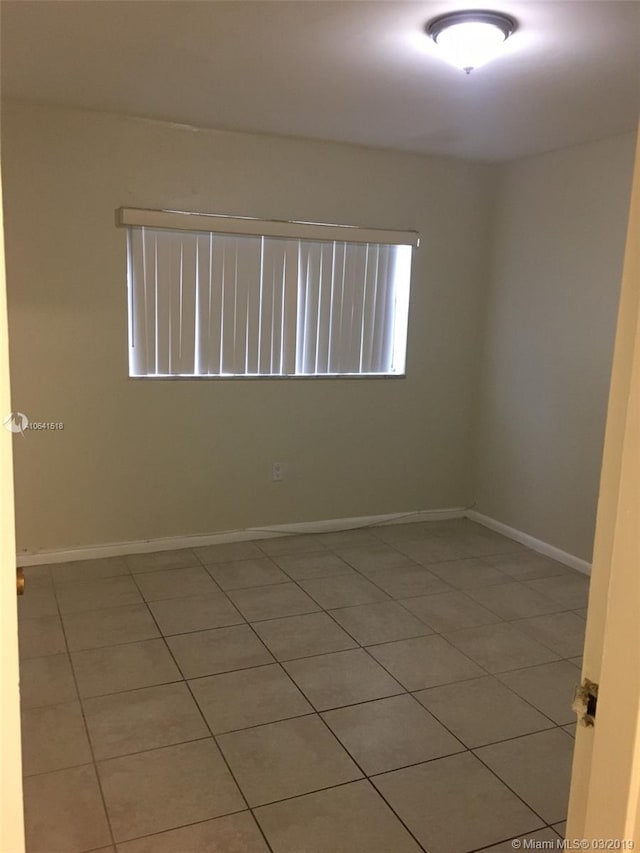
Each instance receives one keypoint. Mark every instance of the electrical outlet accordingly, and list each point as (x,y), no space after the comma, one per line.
(277,472)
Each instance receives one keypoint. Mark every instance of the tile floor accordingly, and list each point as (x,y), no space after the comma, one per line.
(389,690)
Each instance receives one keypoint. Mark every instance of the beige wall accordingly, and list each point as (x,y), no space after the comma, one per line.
(154,459)
(146,459)
(558,247)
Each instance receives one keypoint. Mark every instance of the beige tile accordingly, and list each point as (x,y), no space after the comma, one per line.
(246,573)
(380,623)
(450,611)
(248,697)
(549,688)
(368,558)
(571,729)
(403,582)
(41,572)
(218,650)
(175,583)
(482,711)
(53,738)
(125,667)
(433,550)
(286,759)
(468,574)
(343,591)
(454,527)
(182,558)
(236,833)
(571,590)
(424,662)
(390,733)
(499,648)
(412,531)
(581,612)
(282,545)
(65,806)
(455,804)
(94,629)
(561,632)
(301,636)
(350,538)
(227,551)
(40,636)
(534,840)
(166,788)
(197,613)
(577,661)
(38,599)
(316,565)
(526,565)
(350,819)
(84,570)
(46,681)
(76,596)
(272,602)
(137,720)
(342,678)
(482,541)
(561,828)
(514,601)
(537,767)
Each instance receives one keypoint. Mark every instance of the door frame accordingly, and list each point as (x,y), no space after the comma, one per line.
(11,808)
(605,789)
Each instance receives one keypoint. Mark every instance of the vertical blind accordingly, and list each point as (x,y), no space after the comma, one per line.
(220,304)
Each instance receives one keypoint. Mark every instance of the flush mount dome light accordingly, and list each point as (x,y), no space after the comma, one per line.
(470,39)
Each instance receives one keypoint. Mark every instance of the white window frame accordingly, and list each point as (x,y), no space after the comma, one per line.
(307,243)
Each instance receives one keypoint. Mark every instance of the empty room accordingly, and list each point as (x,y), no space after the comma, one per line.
(318,368)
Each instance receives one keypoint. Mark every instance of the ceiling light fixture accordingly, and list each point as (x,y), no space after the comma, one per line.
(470,39)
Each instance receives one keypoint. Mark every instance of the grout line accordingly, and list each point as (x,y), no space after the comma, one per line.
(86,728)
(318,609)
(59,770)
(317,713)
(171,829)
(123,755)
(154,570)
(506,785)
(314,712)
(467,749)
(308,793)
(506,840)
(215,741)
(368,778)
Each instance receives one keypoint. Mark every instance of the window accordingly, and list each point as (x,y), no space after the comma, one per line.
(214,296)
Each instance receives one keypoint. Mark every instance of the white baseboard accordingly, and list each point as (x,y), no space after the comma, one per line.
(531,542)
(142,546)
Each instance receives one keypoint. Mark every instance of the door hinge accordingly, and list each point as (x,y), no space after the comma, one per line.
(585,702)
(19,581)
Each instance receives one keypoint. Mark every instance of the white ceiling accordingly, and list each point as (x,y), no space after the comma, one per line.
(353,71)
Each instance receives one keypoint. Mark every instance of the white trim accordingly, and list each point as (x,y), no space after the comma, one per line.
(143,546)
(182,220)
(531,542)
